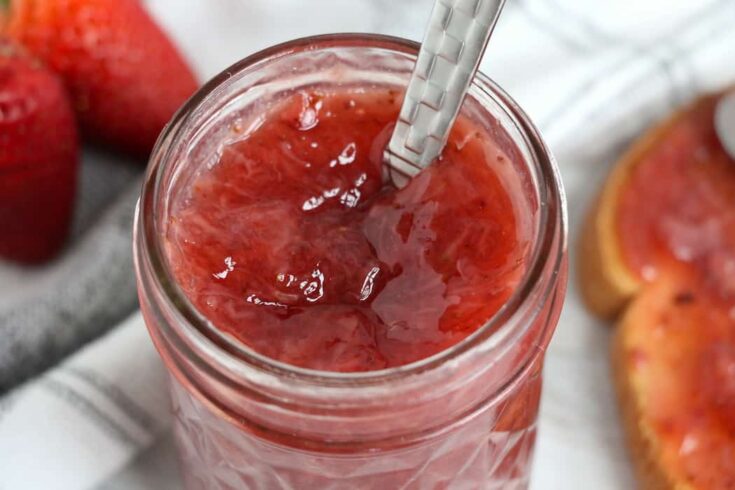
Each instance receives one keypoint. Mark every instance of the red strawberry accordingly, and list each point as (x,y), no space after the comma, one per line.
(38,158)
(125,77)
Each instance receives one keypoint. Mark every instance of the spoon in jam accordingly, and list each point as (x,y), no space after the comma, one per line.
(453,45)
(725,122)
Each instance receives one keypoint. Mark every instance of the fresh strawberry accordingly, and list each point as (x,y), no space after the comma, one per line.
(38,158)
(125,77)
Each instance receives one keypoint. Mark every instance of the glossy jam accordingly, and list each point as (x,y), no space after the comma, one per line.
(677,222)
(680,203)
(293,242)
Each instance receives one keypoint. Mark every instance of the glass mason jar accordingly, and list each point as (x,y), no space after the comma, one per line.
(463,418)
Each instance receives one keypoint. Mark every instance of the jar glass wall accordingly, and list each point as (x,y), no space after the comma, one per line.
(462,418)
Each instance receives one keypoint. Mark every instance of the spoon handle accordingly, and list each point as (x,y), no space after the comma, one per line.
(453,46)
(725,122)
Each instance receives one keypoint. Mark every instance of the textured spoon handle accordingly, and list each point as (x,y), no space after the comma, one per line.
(454,43)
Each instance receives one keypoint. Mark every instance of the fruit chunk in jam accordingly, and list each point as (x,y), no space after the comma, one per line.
(294,244)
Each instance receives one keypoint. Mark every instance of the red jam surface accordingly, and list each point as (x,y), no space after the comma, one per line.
(677,213)
(679,203)
(294,244)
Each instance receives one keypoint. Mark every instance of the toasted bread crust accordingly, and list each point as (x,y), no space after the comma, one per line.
(607,284)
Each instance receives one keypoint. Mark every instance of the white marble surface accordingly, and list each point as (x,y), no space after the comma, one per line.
(592,74)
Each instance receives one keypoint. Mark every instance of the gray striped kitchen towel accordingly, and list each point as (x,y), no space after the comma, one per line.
(48,311)
(77,423)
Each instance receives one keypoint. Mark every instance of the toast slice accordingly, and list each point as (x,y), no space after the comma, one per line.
(608,283)
(670,356)
(674,348)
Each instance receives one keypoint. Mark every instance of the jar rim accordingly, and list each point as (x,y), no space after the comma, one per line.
(552,224)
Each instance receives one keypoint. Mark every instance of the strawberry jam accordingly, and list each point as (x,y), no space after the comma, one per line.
(679,203)
(676,217)
(293,242)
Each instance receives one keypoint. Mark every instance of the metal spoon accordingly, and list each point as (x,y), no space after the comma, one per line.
(454,42)
(725,122)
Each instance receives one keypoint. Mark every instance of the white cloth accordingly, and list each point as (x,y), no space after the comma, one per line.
(83,420)
(592,74)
